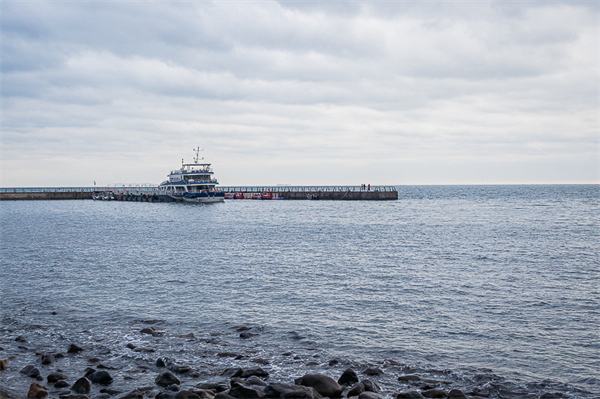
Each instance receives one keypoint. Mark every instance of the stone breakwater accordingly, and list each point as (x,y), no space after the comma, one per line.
(78,372)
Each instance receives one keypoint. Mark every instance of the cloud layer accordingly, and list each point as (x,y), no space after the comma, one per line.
(300,93)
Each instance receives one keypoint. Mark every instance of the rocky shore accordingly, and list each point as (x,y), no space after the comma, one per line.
(77,372)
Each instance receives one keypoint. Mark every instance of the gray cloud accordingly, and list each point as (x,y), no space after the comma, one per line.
(267,86)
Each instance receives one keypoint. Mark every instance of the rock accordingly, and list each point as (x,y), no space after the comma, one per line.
(373,372)
(203,394)
(74,349)
(179,369)
(264,362)
(548,395)
(254,380)
(21,338)
(61,384)
(326,386)
(356,390)
(483,392)
(409,377)
(410,395)
(93,359)
(30,371)
(243,328)
(246,335)
(58,355)
(277,390)
(3,364)
(130,346)
(101,377)
(47,359)
(55,377)
(89,370)
(187,395)
(36,391)
(370,386)
(102,396)
(135,394)
(348,377)
(165,395)
(173,388)
(369,395)
(216,387)
(82,385)
(242,391)
(148,330)
(110,392)
(257,371)
(166,378)
(162,362)
(190,335)
(223,395)
(333,362)
(457,394)
(434,393)
(232,372)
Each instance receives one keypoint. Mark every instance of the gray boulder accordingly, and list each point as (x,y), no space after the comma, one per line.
(348,377)
(82,386)
(242,391)
(100,377)
(326,386)
(410,395)
(166,378)
(284,391)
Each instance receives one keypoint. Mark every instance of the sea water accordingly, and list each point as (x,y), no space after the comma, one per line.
(488,287)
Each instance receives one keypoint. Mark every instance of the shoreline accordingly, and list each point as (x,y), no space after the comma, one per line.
(82,372)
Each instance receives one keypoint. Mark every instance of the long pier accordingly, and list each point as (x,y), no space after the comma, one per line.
(149,193)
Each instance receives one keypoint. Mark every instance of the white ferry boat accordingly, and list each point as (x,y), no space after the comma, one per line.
(194,182)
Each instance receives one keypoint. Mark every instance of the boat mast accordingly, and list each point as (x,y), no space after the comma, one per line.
(197,152)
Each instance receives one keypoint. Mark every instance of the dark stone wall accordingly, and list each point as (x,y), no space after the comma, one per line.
(46,196)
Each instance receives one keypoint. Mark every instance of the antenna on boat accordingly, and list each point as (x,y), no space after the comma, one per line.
(197,157)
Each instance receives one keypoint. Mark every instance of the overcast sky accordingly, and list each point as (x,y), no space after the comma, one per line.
(319,92)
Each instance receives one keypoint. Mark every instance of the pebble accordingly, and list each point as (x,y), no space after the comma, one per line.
(409,377)
(373,372)
(55,377)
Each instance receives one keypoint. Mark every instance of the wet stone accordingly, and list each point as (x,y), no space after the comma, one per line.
(255,371)
(370,386)
(247,335)
(55,377)
(131,346)
(82,385)
(435,393)
(47,359)
(21,338)
(409,377)
(410,395)
(187,395)
(232,372)
(324,385)
(242,391)
(110,392)
(30,371)
(173,388)
(457,394)
(61,384)
(356,390)
(348,377)
(482,392)
(369,395)
(373,372)
(135,394)
(227,354)
(254,380)
(165,395)
(217,387)
(3,364)
(74,349)
(36,391)
(166,378)
(162,362)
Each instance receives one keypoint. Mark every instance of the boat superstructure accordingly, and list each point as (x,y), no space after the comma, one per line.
(194,182)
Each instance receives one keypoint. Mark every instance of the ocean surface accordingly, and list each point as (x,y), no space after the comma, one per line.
(488,287)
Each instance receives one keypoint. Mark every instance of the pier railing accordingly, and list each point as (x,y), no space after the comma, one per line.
(304,189)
